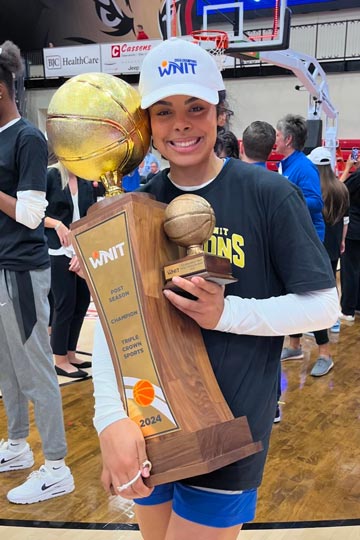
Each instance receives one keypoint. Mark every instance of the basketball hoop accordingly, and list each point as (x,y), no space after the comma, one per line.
(219,41)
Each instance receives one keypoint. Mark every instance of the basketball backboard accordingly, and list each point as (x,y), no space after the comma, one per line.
(251,25)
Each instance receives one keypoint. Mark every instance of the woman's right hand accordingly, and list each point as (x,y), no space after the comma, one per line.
(124,453)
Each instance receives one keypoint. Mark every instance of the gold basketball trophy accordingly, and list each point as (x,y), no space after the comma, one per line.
(99,132)
(189,222)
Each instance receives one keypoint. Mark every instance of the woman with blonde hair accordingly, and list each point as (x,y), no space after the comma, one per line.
(69,199)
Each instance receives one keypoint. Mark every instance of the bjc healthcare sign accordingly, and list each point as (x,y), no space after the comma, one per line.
(69,61)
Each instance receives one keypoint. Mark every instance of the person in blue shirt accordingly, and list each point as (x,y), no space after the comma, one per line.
(291,135)
(131,181)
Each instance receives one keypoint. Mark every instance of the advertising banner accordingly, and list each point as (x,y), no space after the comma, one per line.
(69,61)
(125,57)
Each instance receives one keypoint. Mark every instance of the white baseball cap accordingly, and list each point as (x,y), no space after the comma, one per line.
(179,67)
(320,156)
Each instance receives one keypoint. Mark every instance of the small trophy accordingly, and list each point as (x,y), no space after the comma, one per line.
(189,222)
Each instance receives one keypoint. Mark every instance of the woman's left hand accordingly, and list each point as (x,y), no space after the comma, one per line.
(74,265)
(208,307)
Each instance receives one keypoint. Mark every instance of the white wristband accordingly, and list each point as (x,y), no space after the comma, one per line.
(57,225)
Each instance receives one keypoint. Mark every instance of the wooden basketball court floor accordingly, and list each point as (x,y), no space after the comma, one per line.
(311,487)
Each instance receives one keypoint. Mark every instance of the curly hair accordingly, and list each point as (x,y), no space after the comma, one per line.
(11,64)
(227,145)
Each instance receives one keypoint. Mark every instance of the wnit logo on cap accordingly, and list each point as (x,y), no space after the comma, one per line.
(178,65)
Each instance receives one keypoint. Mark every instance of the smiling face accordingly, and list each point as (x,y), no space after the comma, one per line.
(184,132)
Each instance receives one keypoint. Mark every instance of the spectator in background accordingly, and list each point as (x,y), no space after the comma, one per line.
(26,362)
(290,140)
(140,33)
(223,117)
(291,133)
(350,259)
(69,199)
(257,143)
(144,167)
(336,206)
(227,145)
(131,181)
(154,169)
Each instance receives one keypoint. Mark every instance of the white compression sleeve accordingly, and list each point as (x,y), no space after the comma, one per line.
(108,405)
(30,208)
(276,316)
(280,315)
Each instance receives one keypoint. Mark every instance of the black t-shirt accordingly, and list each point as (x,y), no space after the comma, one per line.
(353,185)
(264,227)
(23,163)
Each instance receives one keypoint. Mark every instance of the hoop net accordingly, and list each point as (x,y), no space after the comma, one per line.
(219,41)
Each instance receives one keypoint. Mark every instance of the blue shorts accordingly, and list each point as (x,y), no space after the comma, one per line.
(210,508)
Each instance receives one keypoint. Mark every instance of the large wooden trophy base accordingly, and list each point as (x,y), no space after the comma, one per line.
(161,364)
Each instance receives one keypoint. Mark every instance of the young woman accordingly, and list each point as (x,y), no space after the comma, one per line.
(335,212)
(69,199)
(283,274)
(26,363)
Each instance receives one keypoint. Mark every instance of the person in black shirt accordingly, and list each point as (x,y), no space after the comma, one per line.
(69,199)
(264,227)
(350,259)
(26,365)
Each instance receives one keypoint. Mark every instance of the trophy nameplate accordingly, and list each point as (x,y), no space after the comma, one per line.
(163,371)
(205,265)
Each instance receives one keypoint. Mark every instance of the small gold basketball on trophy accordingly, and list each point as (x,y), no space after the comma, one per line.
(189,222)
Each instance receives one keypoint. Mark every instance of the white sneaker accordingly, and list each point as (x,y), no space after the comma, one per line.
(10,460)
(349,318)
(42,485)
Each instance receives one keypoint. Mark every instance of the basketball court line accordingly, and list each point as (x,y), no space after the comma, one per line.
(36,533)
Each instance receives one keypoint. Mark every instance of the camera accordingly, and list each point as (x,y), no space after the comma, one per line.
(354,154)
